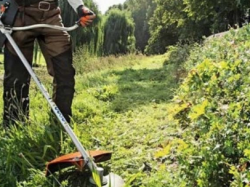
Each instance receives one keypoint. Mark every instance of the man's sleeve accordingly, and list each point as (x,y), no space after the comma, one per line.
(75,4)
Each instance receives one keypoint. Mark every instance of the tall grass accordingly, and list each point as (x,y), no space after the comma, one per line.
(85,62)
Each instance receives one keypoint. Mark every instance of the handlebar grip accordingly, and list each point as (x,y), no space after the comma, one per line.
(90,13)
(78,22)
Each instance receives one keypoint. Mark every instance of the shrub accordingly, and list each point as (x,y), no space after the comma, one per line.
(213,107)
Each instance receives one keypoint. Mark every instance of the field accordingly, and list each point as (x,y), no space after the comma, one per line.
(175,120)
(120,105)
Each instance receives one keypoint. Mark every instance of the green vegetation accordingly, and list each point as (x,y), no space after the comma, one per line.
(152,26)
(118,33)
(180,119)
(120,105)
(212,111)
(163,131)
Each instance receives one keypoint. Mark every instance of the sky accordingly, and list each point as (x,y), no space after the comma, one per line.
(105,4)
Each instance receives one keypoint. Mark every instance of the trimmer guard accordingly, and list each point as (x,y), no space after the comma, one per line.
(75,159)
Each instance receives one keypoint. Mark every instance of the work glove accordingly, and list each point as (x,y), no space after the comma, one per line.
(86,15)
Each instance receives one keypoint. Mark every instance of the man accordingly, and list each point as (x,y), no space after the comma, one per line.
(56,48)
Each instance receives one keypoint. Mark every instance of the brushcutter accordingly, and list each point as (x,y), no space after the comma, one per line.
(83,158)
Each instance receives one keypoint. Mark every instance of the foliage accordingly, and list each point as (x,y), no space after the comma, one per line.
(160,134)
(178,54)
(170,24)
(118,33)
(187,21)
(141,11)
(222,13)
(212,108)
(163,25)
(155,25)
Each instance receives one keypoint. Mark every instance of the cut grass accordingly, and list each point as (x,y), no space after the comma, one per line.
(121,105)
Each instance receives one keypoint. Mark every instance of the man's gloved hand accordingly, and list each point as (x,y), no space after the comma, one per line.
(86,15)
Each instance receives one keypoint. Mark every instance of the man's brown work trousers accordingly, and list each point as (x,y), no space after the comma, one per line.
(57,50)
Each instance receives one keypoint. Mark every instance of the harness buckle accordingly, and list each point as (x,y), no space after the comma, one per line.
(44,6)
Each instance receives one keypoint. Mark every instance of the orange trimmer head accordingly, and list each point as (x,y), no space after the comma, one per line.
(75,159)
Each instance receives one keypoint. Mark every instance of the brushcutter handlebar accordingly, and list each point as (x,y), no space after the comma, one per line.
(46,26)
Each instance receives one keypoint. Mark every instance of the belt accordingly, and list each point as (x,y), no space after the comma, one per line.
(44,5)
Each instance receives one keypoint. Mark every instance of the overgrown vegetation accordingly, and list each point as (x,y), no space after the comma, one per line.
(211,145)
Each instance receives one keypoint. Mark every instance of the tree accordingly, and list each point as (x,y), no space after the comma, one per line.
(141,11)
(222,13)
(171,23)
(163,25)
(118,33)
(189,20)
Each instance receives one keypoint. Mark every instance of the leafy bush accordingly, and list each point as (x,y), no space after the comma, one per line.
(178,54)
(213,107)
